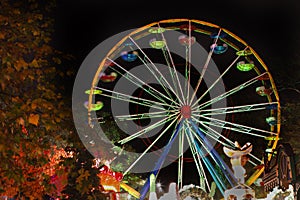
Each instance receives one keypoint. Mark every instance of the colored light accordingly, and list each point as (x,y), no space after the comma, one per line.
(244,53)
(187,27)
(272,138)
(186,41)
(156,30)
(242,66)
(129,57)
(157,44)
(219,49)
(109,78)
(262,91)
(95,91)
(271,121)
(94,107)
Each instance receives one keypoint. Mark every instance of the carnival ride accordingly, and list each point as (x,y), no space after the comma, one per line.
(186,88)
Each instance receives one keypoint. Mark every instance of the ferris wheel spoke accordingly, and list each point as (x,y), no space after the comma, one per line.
(172,65)
(187,75)
(260,161)
(173,77)
(153,143)
(205,141)
(148,115)
(217,80)
(154,70)
(180,159)
(188,58)
(202,143)
(145,87)
(237,109)
(213,153)
(140,83)
(228,93)
(161,78)
(165,85)
(136,100)
(215,134)
(237,127)
(229,143)
(149,128)
(197,160)
(221,185)
(204,68)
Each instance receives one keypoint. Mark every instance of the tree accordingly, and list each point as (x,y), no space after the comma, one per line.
(83,182)
(291,128)
(34,115)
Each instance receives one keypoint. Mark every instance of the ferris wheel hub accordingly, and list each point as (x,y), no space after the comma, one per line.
(186,111)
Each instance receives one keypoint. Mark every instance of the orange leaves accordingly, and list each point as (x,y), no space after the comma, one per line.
(16,100)
(3,85)
(35,33)
(84,175)
(48,117)
(34,63)
(82,181)
(29,98)
(38,16)
(20,64)
(34,119)
(23,173)
(2,35)
(41,104)
(46,48)
(33,105)
(21,121)
(3,19)
(16,11)
(56,60)
(10,189)
(30,20)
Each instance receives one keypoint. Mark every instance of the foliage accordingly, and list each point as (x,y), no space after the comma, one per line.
(291,126)
(34,115)
(83,182)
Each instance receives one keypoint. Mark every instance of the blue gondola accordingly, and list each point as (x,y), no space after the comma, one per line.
(129,57)
(219,49)
(271,121)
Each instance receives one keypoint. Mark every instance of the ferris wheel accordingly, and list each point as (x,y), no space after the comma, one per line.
(181,89)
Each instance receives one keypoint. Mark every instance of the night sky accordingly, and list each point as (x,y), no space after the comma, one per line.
(271,28)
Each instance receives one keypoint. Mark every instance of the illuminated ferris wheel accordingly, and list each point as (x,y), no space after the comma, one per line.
(181,89)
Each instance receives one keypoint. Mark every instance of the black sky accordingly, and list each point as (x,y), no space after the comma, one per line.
(270,27)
